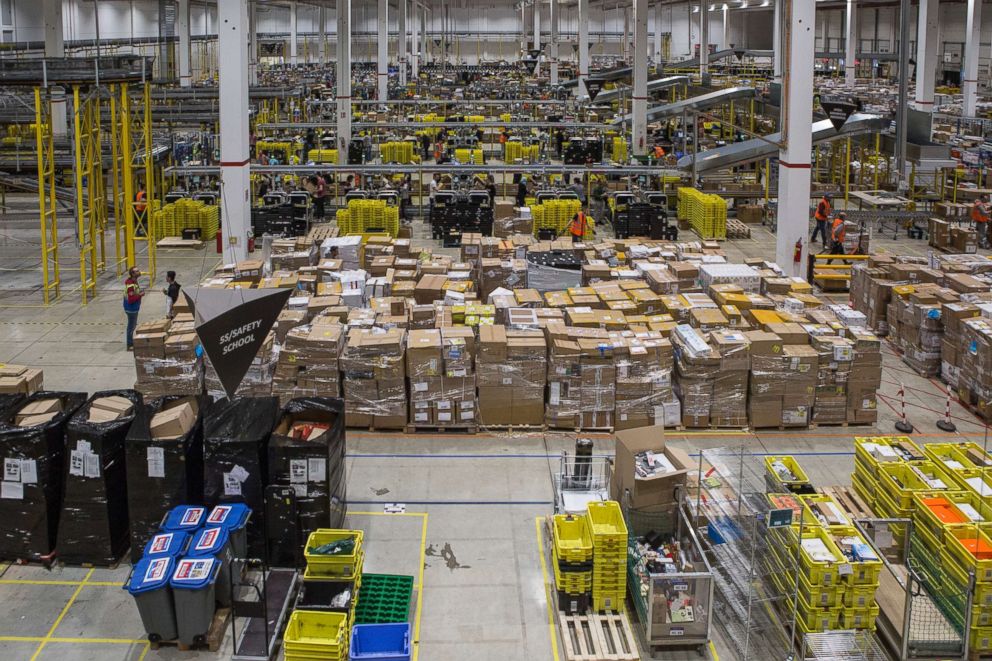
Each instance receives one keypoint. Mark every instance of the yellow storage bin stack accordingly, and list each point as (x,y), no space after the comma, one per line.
(619,149)
(506,117)
(870,452)
(707,214)
(473,156)
(316,635)
(173,218)
(345,566)
(783,474)
(323,155)
(397,152)
(572,551)
(280,147)
(609,556)
(368,217)
(965,463)
(514,150)
(556,215)
(898,482)
(821,589)
(475,119)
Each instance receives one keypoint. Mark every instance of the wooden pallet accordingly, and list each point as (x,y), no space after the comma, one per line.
(605,637)
(440,429)
(523,429)
(849,499)
(213,639)
(737,229)
(176,242)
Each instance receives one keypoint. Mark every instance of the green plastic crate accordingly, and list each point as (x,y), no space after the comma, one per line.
(384,599)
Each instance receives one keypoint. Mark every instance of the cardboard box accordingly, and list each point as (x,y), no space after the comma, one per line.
(105,409)
(656,489)
(175,421)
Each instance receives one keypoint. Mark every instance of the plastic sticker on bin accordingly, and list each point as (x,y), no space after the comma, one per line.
(231,517)
(12,470)
(166,544)
(209,540)
(184,517)
(160,543)
(150,574)
(193,571)
(11,491)
(156,462)
(317,469)
(157,570)
(29,471)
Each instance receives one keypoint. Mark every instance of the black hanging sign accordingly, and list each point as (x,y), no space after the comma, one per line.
(739,53)
(594,87)
(534,52)
(838,109)
(232,325)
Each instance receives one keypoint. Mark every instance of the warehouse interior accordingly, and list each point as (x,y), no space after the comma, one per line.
(565,330)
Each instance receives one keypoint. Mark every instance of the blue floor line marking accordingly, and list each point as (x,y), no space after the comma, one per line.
(451,502)
(464,456)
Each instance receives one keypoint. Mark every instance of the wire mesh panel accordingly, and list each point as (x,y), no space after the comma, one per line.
(843,645)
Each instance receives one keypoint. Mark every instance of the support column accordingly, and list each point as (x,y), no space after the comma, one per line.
(537,35)
(232,63)
(401,41)
(580,89)
(343,66)
(726,32)
(182,31)
(639,98)
(777,41)
(927,42)
(415,43)
(322,34)
(704,39)
(553,45)
(55,47)
(797,112)
(851,42)
(969,77)
(658,8)
(252,43)
(382,58)
(293,36)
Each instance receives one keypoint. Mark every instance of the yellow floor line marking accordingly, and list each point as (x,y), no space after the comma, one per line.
(88,584)
(547,590)
(148,646)
(713,654)
(420,572)
(58,620)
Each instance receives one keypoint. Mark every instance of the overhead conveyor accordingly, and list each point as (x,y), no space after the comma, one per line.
(716,56)
(758,149)
(653,86)
(607,76)
(700,102)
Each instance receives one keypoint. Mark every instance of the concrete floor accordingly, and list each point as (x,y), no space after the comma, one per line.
(469,533)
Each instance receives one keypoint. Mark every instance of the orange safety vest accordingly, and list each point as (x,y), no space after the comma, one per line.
(659,152)
(838,231)
(139,202)
(822,210)
(980,212)
(578,225)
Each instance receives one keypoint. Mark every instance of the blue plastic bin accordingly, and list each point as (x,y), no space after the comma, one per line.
(194,584)
(149,585)
(215,543)
(184,518)
(234,517)
(166,544)
(380,642)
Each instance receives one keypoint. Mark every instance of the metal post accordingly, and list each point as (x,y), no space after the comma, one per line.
(382,55)
(927,43)
(401,41)
(704,41)
(553,45)
(537,34)
(969,78)
(47,203)
(903,91)
(851,43)
(580,89)
(182,31)
(343,81)
(639,97)
(234,130)
(293,35)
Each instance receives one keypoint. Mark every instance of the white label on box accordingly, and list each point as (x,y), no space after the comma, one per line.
(444,405)
(467,415)
(29,471)
(76,463)
(83,446)
(460,372)
(420,417)
(91,465)
(297,471)
(12,491)
(467,404)
(156,462)
(554,393)
(444,416)
(317,469)
(623,417)
(420,386)
(232,486)
(12,470)
(507,380)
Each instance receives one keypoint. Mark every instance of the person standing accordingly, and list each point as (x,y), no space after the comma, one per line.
(132,304)
(821,216)
(980,214)
(521,199)
(171,292)
(838,232)
(578,226)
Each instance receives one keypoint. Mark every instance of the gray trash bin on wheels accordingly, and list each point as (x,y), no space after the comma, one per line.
(215,543)
(149,585)
(194,584)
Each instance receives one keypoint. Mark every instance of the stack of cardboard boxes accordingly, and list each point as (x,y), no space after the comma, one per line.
(696,367)
(783,381)
(373,373)
(308,361)
(258,379)
(730,385)
(165,358)
(644,393)
(915,325)
(865,377)
(441,372)
(835,360)
(511,370)
(581,378)
(20,380)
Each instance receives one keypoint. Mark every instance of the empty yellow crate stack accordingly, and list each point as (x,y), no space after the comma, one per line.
(397,152)
(323,155)
(620,149)
(556,215)
(368,217)
(473,156)
(572,554)
(185,214)
(316,635)
(609,556)
(707,214)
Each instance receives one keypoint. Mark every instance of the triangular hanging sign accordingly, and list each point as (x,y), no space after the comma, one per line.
(594,87)
(838,109)
(534,52)
(232,325)
(739,53)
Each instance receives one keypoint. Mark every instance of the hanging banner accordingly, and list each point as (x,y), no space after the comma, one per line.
(594,87)
(232,325)
(838,109)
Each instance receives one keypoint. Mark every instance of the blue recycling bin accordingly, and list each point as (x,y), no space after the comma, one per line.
(215,543)
(380,642)
(149,585)
(184,518)
(166,544)
(194,586)
(234,517)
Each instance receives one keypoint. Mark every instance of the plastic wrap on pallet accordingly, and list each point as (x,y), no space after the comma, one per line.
(313,467)
(730,384)
(169,469)
(33,459)
(308,362)
(235,456)
(696,367)
(257,381)
(644,385)
(160,377)
(93,527)
(373,372)
(511,372)
(581,381)
(548,278)
(8,402)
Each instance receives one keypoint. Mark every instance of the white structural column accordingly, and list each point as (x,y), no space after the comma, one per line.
(704,38)
(657,32)
(401,40)
(182,31)
(927,40)
(293,35)
(537,34)
(553,44)
(725,43)
(55,47)
(777,41)
(414,44)
(797,113)
(322,34)
(851,42)
(343,71)
(969,79)
(639,98)
(252,43)
(580,89)
(382,57)
(232,64)
(424,38)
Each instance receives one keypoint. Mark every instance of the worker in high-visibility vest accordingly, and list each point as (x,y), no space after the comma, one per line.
(837,233)
(578,226)
(822,216)
(980,214)
(132,304)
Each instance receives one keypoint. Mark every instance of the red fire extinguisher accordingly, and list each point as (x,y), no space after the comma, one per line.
(797,254)
(220,242)
(251,241)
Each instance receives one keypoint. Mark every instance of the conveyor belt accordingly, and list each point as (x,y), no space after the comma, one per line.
(653,86)
(700,102)
(612,74)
